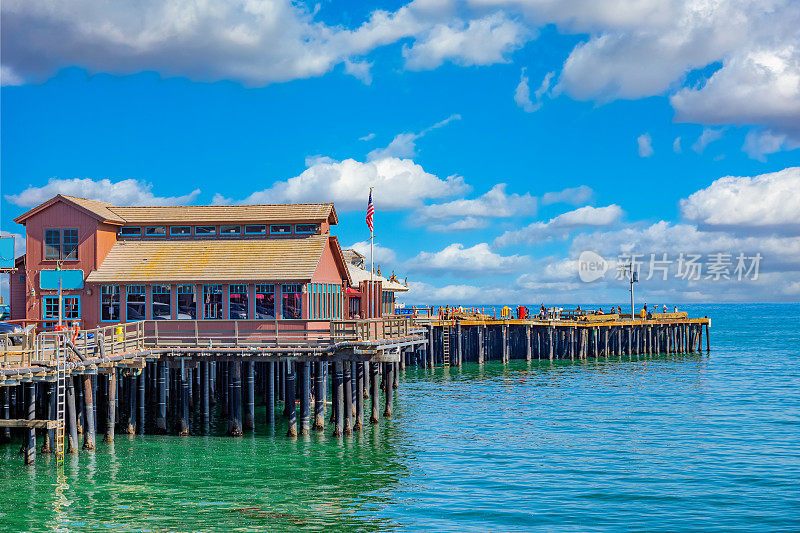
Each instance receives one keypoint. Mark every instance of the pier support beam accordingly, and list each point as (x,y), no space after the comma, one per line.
(305,397)
(375,391)
(270,394)
(389,369)
(359,425)
(161,416)
(72,422)
(182,393)
(290,400)
(338,406)
(88,399)
(505,354)
(319,396)
(348,398)
(235,395)
(250,396)
(30,446)
(205,395)
(140,404)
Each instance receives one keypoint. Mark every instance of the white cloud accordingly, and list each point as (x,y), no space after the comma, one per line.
(522,94)
(124,192)
(381,254)
(359,69)
(645,143)
(676,145)
(767,201)
(367,137)
(758,144)
(561,226)
(708,136)
(481,41)
(573,195)
(476,260)
(495,203)
(404,145)
(399,184)
(461,224)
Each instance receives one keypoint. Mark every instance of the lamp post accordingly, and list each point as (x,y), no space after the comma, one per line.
(633,277)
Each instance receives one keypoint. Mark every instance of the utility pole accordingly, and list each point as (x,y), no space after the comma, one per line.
(633,277)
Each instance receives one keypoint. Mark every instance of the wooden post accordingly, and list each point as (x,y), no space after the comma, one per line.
(140,403)
(205,393)
(88,399)
(30,447)
(319,396)
(389,369)
(348,398)
(528,346)
(359,425)
(481,334)
(375,392)
(505,354)
(72,418)
(459,343)
(111,400)
(161,418)
(271,394)
(305,397)
(338,386)
(290,405)
(250,396)
(550,340)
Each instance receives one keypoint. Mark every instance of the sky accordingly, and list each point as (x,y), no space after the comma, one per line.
(520,150)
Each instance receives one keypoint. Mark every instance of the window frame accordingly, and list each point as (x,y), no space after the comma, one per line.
(181,290)
(245,292)
(147,232)
(47,299)
(306,232)
(128,294)
(160,292)
(117,293)
(285,291)
(64,244)
(206,307)
(247,232)
(173,228)
(265,292)
(202,234)
(137,234)
(273,232)
(46,255)
(230,226)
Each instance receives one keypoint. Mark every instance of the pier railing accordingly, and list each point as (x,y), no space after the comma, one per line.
(129,337)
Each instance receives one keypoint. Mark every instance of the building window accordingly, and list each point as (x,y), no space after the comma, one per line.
(255,230)
(180,230)
(305,228)
(280,229)
(162,305)
(109,303)
(265,301)
(212,302)
(157,231)
(205,230)
(52,244)
(71,311)
(230,230)
(130,232)
(70,245)
(134,303)
(292,300)
(238,302)
(187,302)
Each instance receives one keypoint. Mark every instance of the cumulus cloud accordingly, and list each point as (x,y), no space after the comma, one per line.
(561,226)
(495,203)
(645,143)
(708,136)
(381,254)
(676,145)
(758,144)
(481,41)
(476,260)
(764,202)
(404,145)
(522,94)
(359,70)
(398,183)
(124,192)
(573,195)
(461,224)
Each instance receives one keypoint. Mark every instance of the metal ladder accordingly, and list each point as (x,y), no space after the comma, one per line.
(446,345)
(61,394)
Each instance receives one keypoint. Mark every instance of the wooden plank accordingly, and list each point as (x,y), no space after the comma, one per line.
(22,423)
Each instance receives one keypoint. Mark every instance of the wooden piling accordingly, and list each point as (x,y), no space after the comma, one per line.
(359,425)
(250,396)
(205,395)
(271,394)
(88,398)
(389,368)
(348,397)
(319,396)
(305,397)
(338,407)
(290,399)
(30,445)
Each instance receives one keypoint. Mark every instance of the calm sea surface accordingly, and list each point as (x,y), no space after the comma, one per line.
(707,442)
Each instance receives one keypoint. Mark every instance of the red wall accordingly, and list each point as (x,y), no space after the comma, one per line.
(17,290)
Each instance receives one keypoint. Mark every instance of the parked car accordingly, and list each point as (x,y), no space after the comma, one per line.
(6,328)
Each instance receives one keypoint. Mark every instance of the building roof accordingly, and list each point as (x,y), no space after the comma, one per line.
(358,274)
(293,259)
(201,214)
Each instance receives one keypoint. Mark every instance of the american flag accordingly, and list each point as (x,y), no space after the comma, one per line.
(370,211)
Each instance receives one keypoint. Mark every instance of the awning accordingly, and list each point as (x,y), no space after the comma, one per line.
(350,291)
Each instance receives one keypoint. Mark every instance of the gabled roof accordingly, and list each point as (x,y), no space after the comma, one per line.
(99,210)
(222,260)
(341,263)
(201,214)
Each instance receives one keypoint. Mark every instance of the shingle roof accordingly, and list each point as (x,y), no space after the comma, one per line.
(358,274)
(101,210)
(211,260)
(226,213)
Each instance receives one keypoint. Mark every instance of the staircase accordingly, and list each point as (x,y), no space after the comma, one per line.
(446,345)
(61,393)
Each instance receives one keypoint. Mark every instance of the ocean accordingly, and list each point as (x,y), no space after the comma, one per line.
(674,442)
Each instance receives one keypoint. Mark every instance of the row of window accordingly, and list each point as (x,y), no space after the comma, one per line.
(250,229)
(325,300)
(212,302)
(61,244)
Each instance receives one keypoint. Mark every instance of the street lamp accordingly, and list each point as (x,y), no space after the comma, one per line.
(633,277)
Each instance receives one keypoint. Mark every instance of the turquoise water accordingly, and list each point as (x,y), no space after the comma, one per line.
(692,442)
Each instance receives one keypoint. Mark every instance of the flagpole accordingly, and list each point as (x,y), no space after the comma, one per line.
(371,263)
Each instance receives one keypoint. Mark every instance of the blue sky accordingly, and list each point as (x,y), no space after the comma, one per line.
(639,111)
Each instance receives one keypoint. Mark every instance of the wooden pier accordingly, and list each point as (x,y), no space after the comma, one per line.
(165,376)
